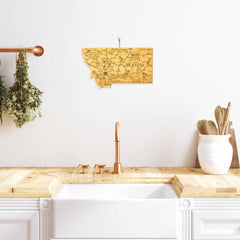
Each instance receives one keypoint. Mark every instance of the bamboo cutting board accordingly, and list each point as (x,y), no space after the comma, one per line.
(123,65)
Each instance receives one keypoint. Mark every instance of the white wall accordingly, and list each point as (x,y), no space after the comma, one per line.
(196,67)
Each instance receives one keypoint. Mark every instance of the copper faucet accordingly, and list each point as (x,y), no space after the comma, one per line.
(117,168)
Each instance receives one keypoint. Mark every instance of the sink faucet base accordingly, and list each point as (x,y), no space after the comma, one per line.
(117,168)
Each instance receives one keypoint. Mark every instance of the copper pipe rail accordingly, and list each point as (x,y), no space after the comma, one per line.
(37,50)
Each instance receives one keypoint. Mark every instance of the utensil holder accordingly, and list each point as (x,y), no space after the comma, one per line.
(215,153)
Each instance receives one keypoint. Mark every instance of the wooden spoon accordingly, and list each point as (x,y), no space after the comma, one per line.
(201,125)
(211,128)
(219,115)
(207,127)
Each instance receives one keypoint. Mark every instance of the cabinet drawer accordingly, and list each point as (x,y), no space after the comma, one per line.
(216,224)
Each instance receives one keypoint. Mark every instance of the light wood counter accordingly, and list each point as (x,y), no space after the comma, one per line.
(188,182)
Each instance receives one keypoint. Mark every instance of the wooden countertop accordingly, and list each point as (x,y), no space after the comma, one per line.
(188,182)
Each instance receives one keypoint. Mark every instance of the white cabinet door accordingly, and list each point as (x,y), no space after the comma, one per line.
(19,225)
(216,224)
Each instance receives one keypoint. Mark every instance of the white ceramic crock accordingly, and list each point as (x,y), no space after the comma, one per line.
(215,153)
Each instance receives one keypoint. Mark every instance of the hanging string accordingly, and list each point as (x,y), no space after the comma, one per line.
(119,42)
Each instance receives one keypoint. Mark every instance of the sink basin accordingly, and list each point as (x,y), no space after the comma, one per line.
(115,211)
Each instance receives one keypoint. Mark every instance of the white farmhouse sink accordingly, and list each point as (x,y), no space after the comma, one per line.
(115,211)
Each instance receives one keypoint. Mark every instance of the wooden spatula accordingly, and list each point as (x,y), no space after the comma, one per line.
(226,119)
(228,127)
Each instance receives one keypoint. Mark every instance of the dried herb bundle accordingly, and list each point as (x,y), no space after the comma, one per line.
(22,100)
(2,92)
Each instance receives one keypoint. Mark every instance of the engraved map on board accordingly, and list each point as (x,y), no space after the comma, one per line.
(119,65)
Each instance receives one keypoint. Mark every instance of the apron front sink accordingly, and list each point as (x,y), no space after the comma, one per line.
(115,211)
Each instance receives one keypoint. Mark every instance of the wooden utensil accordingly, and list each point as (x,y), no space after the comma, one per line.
(211,128)
(228,128)
(207,127)
(201,125)
(226,119)
(219,116)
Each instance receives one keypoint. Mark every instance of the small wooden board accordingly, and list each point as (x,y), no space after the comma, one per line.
(232,140)
(119,65)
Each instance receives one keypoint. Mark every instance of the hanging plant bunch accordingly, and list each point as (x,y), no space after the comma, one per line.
(2,92)
(23,99)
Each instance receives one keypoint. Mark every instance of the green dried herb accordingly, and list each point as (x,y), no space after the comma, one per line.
(2,92)
(22,100)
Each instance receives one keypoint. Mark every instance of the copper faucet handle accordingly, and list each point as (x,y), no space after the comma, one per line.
(83,167)
(99,167)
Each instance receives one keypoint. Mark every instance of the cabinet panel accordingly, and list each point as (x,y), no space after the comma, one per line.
(45,219)
(19,225)
(216,224)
